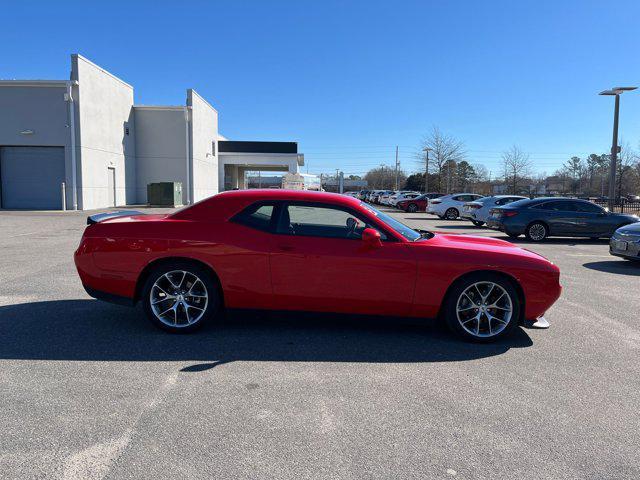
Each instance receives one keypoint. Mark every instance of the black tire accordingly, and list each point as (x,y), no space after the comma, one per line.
(412,208)
(513,235)
(537,232)
(193,270)
(477,223)
(451,315)
(451,213)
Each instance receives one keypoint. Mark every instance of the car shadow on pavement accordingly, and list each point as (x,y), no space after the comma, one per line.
(622,267)
(90,330)
(569,241)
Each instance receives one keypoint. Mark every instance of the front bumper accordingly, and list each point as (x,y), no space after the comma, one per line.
(625,247)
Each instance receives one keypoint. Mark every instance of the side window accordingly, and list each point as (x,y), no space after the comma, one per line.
(459,198)
(256,216)
(547,206)
(320,221)
(589,207)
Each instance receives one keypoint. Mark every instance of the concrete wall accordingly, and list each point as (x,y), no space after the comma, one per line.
(161,148)
(203,134)
(41,107)
(104,109)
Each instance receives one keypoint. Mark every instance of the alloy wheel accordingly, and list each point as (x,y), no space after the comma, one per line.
(537,232)
(484,309)
(451,214)
(178,298)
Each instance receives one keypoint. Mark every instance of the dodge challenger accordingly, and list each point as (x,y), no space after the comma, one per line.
(310,251)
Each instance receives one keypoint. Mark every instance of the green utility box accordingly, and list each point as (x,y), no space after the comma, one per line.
(164,194)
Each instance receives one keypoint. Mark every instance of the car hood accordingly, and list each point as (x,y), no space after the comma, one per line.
(633,228)
(481,244)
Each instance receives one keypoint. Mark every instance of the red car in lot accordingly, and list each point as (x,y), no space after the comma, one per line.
(418,204)
(309,251)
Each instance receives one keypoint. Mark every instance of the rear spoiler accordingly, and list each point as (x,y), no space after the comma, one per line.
(99,217)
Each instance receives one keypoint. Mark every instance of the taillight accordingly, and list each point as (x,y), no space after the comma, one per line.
(474,207)
(435,201)
(509,213)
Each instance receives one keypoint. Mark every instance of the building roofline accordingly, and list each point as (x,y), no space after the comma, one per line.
(202,98)
(161,107)
(37,83)
(78,56)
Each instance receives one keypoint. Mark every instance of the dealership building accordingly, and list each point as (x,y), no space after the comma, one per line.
(83,144)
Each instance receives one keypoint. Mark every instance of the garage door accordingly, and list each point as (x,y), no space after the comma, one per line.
(31,177)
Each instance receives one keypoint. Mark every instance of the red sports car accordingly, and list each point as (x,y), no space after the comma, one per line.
(309,251)
(418,204)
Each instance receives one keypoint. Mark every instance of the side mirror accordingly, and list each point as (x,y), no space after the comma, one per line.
(371,237)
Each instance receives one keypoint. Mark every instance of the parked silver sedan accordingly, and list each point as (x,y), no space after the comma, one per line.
(625,242)
(478,210)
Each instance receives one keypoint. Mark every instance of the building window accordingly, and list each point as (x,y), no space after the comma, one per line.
(213,148)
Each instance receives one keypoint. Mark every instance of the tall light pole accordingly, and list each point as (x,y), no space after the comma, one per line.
(397,166)
(426,150)
(614,143)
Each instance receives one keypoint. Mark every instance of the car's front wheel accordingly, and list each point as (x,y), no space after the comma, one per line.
(412,208)
(483,307)
(180,297)
(477,223)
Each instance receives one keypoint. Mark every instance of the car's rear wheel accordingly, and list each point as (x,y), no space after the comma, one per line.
(180,297)
(537,232)
(412,208)
(513,235)
(477,223)
(451,214)
(483,307)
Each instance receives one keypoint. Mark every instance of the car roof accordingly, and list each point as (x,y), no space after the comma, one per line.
(226,204)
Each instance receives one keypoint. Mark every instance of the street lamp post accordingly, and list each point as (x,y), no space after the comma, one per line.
(426,174)
(614,142)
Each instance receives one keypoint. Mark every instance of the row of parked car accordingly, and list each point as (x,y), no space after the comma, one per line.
(516,215)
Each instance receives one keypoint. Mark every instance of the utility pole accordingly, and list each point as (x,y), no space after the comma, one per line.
(397,165)
(615,149)
(426,174)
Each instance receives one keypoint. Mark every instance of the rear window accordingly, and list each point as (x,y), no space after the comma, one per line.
(256,216)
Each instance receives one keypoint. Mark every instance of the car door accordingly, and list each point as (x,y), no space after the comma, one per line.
(560,215)
(319,263)
(592,220)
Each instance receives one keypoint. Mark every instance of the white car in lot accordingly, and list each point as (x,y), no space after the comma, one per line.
(398,197)
(450,206)
(478,210)
(384,198)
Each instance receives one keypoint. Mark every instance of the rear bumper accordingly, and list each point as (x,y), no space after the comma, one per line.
(109,297)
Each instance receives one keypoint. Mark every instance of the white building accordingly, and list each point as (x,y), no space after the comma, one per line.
(87,138)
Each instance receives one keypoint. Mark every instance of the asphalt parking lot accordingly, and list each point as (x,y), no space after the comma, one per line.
(92,390)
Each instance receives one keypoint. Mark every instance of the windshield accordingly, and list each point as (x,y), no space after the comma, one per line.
(408,233)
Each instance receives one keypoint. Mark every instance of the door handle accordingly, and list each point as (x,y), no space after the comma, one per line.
(285,248)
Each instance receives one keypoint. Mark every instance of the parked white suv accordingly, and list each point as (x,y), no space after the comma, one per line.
(450,206)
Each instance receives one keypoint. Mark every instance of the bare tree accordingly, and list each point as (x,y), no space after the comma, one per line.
(517,167)
(384,177)
(445,152)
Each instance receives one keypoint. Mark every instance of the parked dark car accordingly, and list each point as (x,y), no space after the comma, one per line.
(625,242)
(558,217)
(418,204)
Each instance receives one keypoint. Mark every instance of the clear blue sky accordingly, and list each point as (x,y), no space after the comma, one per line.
(350,80)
